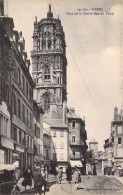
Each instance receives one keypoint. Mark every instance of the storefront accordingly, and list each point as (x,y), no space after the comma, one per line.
(7,146)
(2,157)
(18,157)
(30,158)
(52,167)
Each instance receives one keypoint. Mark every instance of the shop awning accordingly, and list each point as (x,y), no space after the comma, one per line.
(77,163)
(120,165)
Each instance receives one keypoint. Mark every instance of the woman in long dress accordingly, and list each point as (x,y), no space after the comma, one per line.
(59,175)
(27,178)
(69,173)
(76,176)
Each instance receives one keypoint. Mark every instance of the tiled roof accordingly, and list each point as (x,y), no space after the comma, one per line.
(72,115)
(56,123)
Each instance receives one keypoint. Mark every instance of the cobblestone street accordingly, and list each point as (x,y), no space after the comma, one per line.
(89,185)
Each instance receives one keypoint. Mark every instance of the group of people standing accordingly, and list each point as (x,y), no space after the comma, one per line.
(75,172)
(39,176)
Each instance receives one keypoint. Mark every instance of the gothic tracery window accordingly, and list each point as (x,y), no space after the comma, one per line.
(54,43)
(43,43)
(46,101)
(47,74)
(49,43)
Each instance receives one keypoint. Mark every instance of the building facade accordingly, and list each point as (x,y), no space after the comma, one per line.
(108,154)
(117,137)
(22,101)
(77,140)
(49,74)
(17,87)
(47,147)
(58,131)
(6,143)
(113,147)
(38,134)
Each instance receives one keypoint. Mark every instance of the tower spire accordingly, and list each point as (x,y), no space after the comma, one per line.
(49,14)
(1,7)
(49,8)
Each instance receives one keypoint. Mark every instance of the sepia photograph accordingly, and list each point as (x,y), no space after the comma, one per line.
(61,97)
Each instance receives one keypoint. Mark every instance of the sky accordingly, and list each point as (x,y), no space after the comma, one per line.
(94,54)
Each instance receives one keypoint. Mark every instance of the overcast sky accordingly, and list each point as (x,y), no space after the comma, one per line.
(94,54)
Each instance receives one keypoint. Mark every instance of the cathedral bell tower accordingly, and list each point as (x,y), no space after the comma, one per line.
(49,62)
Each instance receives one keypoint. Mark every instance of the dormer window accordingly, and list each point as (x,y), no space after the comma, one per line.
(73,124)
(47,74)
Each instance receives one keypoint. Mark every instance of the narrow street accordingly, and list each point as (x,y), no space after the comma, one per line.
(89,185)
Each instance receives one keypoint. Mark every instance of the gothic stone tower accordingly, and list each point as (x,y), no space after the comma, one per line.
(49,65)
(49,74)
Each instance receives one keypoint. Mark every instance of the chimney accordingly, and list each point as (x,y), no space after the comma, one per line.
(72,110)
(1,7)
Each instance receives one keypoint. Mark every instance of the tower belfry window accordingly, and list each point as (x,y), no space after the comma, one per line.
(46,102)
(47,74)
(43,44)
(49,43)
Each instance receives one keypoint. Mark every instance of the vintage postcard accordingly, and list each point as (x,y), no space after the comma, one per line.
(61,97)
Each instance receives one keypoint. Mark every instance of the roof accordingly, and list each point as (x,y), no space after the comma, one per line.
(56,123)
(93,141)
(71,114)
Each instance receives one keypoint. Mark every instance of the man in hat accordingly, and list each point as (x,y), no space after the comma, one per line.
(39,181)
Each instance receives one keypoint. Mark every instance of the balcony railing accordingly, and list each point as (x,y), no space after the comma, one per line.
(44,51)
(76,156)
(77,142)
(48,84)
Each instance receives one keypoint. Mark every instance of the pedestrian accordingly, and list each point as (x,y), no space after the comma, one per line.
(56,171)
(38,181)
(27,177)
(69,173)
(44,172)
(94,170)
(76,176)
(59,175)
(45,176)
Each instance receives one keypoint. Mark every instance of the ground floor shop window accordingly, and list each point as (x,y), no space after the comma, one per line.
(16,159)
(1,157)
